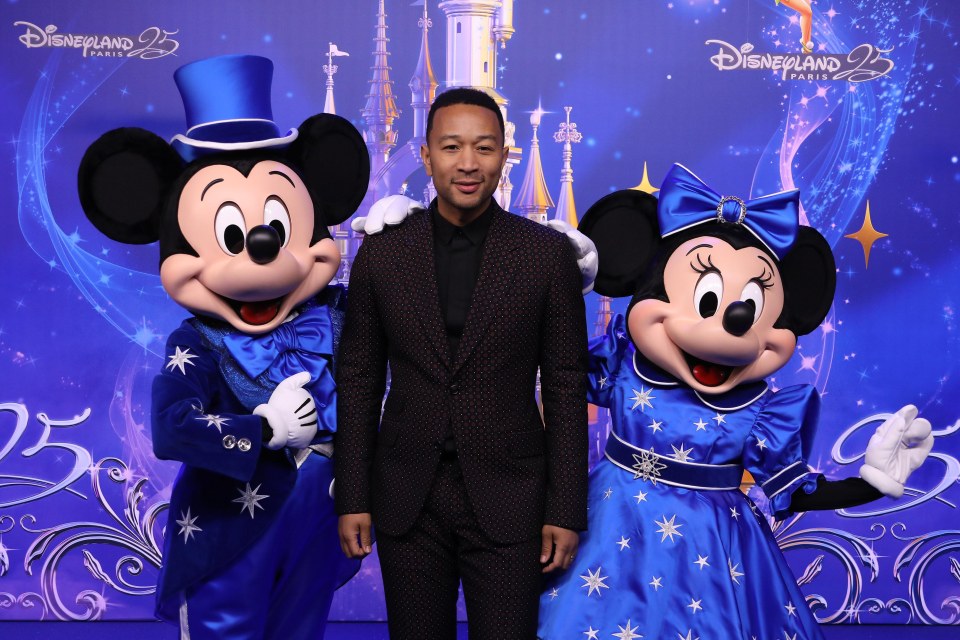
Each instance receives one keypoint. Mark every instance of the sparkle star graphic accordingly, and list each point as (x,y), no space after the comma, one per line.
(702,561)
(689,636)
(250,499)
(647,467)
(694,605)
(594,582)
(623,542)
(591,633)
(866,236)
(761,443)
(187,525)
(603,382)
(607,493)
(701,425)
(681,454)
(668,528)
(655,426)
(734,574)
(791,610)
(214,421)
(180,360)
(656,583)
(719,418)
(642,399)
(628,632)
(553,593)
(734,513)
(641,497)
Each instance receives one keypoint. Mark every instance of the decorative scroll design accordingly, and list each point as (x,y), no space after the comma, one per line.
(129,531)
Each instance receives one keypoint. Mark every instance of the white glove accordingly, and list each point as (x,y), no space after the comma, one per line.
(291,413)
(899,446)
(584,248)
(389,211)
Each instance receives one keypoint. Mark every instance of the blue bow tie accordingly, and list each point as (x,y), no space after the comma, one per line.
(685,201)
(302,344)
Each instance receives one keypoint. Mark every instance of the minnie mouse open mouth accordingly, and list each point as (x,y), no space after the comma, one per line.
(256,312)
(706,373)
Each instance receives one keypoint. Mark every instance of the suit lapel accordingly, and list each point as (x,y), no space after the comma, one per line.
(422,281)
(497,273)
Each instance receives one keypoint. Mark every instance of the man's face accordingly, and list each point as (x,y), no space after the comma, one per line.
(464,155)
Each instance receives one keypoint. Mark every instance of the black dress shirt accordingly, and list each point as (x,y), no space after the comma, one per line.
(457,253)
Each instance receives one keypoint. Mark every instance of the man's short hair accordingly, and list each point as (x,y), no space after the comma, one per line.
(465,95)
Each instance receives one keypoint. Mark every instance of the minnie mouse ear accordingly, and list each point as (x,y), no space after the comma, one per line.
(623,226)
(334,162)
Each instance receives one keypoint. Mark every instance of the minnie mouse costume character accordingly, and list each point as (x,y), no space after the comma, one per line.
(673,548)
(246,398)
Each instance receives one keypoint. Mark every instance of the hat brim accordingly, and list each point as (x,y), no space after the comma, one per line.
(190,148)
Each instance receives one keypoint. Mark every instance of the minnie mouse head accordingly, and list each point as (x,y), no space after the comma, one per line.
(721,288)
(241,212)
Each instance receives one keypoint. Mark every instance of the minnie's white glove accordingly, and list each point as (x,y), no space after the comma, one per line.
(291,413)
(899,446)
(585,250)
(389,211)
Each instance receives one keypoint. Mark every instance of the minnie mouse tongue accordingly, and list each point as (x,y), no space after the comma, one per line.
(709,374)
(259,312)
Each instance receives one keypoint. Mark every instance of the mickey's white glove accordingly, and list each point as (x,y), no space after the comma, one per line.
(584,248)
(389,211)
(291,413)
(899,446)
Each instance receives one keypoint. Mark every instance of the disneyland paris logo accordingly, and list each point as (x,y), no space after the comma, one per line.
(863,63)
(152,43)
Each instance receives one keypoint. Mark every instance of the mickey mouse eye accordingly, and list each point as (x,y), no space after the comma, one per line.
(275,214)
(230,227)
(753,295)
(708,294)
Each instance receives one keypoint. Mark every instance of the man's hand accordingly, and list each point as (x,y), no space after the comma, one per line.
(584,249)
(899,446)
(559,547)
(355,538)
(386,212)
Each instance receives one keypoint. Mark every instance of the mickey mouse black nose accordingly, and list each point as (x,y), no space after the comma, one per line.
(263,244)
(738,318)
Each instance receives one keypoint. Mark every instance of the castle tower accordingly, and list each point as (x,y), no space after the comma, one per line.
(534,199)
(381,109)
(423,84)
(330,69)
(474,30)
(567,134)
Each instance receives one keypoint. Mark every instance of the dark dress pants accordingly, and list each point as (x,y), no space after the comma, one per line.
(422,570)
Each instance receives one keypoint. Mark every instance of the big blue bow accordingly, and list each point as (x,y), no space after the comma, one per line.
(685,201)
(302,344)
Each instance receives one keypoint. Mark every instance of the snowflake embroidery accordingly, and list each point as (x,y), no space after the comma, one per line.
(647,466)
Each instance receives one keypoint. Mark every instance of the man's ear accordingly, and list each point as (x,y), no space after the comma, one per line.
(335,164)
(623,225)
(809,275)
(123,182)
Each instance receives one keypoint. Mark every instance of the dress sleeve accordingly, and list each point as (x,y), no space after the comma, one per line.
(607,354)
(779,443)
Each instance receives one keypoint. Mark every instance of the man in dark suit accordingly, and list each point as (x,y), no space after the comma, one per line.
(464,480)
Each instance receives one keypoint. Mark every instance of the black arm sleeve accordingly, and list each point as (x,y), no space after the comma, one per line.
(834,494)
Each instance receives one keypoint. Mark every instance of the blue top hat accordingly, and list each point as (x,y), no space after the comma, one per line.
(227,103)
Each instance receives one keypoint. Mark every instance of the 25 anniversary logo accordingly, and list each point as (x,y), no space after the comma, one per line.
(153,42)
(863,63)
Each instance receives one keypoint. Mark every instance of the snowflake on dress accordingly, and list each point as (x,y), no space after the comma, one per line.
(647,467)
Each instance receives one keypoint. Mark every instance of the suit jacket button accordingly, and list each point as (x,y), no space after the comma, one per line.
(229,441)
(244,444)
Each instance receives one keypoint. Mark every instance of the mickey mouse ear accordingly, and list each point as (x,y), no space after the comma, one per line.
(623,226)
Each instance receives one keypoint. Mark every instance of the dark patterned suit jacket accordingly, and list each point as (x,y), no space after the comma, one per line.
(527,312)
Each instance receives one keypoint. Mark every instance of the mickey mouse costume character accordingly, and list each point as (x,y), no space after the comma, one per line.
(246,399)
(673,548)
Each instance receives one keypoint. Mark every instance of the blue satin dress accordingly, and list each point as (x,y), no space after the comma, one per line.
(674,550)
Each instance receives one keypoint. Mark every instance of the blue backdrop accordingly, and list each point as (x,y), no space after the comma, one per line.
(869,136)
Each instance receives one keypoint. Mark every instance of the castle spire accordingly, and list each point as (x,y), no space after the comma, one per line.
(381,109)
(534,199)
(330,69)
(567,134)
(423,84)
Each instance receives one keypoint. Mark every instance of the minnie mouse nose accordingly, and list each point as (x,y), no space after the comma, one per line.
(738,318)
(263,244)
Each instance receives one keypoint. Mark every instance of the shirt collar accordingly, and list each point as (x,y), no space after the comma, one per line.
(475,232)
(737,398)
